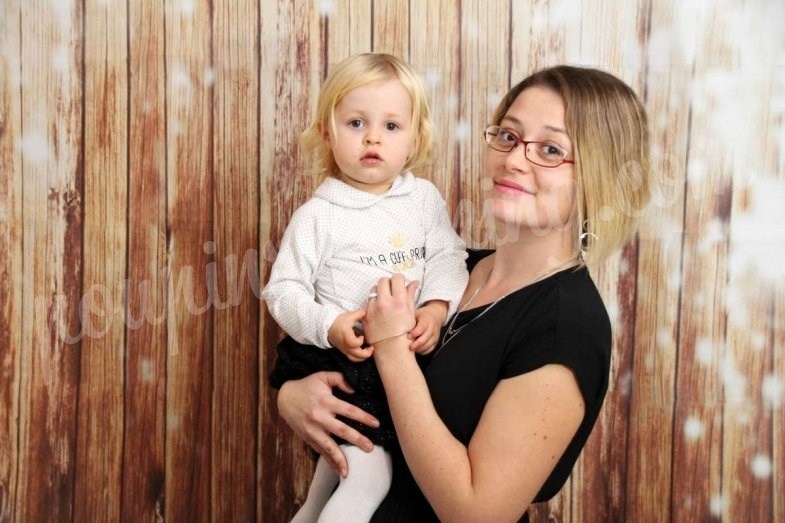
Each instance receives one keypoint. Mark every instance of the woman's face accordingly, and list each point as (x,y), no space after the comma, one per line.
(525,195)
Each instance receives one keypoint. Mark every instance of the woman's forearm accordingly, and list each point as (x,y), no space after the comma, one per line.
(439,462)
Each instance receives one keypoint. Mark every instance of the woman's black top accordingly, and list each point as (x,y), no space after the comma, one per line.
(559,320)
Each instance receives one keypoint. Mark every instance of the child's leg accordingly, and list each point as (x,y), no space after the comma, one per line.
(322,485)
(359,494)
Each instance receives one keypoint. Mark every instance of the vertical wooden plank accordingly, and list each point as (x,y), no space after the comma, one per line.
(189,372)
(755,273)
(601,475)
(51,96)
(11,284)
(697,454)
(485,62)
(775,395)
(545,34)
(349,29)
(291,66)
(434,53)
(100,420)
(391,27)
(234,284)
(649,452)
(145,297)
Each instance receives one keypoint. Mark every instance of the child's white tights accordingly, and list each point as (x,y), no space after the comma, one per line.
(357,496)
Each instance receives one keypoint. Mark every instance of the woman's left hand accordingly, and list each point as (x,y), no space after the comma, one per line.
(391,313)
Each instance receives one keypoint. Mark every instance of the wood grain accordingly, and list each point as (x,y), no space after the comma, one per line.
(434,54)
(292,62)
(391,27)
(100,421)
(190,207)
(697,471)
(143,481)
(648,489)
(149,164)
(11,268)
(52,169)
(349,29)
(234,284)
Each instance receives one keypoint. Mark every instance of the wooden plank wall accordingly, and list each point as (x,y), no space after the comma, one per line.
(149,165)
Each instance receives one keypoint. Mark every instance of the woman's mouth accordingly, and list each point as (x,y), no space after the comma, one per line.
(508,187)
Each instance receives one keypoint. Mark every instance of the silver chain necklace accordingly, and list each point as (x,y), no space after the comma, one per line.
(451,332)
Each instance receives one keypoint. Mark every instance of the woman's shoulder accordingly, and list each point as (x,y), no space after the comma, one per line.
(580,306)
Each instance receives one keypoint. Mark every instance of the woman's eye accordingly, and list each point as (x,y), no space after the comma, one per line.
(356,123)
(548,149)
(391,126)
(507,136)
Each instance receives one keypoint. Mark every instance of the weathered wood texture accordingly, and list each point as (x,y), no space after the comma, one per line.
(149,164)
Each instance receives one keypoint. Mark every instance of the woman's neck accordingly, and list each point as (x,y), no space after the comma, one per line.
(531,257)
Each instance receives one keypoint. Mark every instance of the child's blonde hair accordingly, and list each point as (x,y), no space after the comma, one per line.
(607,125)
(356,71)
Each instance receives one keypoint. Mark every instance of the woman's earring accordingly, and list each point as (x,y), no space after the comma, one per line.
(584,238)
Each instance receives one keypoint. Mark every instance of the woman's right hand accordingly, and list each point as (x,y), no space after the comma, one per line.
(309,407)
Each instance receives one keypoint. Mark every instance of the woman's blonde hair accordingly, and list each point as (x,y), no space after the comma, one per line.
(356,71)
(607,125)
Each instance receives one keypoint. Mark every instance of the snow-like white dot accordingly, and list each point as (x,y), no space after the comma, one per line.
(716,505)
(772,390)
(326,7)
(761,466)
(757,247)
(146,370)
(187,7)
(734,381)
(461,132)
(208,76)
(674,279)
(60,58)
(431,78)
(693,428)
(704,352)
(181,80)
(36,147)
(493,101)
(757,340)
(664,338)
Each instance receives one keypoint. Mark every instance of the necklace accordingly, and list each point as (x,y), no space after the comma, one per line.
(451,332)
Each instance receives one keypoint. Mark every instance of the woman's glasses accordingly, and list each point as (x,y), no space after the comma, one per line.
(544,154)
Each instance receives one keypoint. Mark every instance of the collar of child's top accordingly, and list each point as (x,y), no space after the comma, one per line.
(341,193)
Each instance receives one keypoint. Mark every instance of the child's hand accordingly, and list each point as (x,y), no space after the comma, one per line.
(430,318)
(342,336)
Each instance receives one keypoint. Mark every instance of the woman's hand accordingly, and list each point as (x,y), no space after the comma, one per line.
(310,409)
(391,313)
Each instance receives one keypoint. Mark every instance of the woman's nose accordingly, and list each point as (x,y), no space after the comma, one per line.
(516,159)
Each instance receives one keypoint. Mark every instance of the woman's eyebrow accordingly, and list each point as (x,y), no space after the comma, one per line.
(517,122)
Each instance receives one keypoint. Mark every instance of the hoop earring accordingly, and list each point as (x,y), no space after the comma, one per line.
(583,240)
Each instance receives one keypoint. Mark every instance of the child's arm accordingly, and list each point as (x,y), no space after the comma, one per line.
(445,275)
(290,293)
(343,336)
(430,318)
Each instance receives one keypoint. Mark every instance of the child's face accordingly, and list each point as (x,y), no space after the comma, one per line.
(373,135)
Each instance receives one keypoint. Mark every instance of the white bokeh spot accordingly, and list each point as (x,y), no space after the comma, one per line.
(693,428)
(761,466)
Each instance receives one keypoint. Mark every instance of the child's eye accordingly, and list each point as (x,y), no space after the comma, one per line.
(391,126)
(356,123)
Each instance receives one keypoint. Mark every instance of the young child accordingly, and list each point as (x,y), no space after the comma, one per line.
(370,217)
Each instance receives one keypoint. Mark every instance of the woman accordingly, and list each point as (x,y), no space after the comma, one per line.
(498,416)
